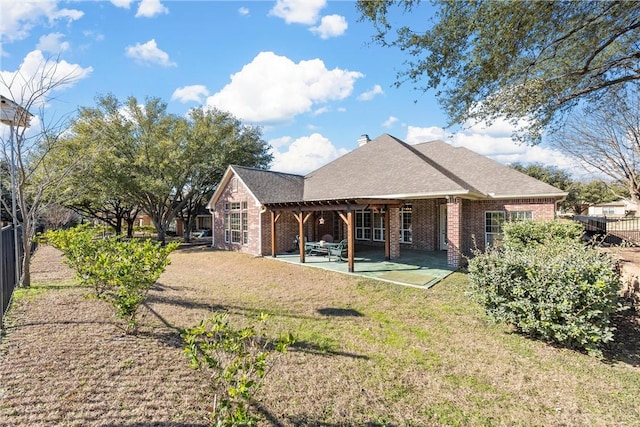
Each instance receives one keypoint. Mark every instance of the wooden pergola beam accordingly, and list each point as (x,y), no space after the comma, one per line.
(302,219)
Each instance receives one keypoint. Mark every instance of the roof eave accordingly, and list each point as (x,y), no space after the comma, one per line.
(528,196)
(412,196)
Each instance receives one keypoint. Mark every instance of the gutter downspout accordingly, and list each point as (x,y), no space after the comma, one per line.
(213,228)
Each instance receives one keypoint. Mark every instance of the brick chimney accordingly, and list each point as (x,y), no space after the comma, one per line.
(363,140)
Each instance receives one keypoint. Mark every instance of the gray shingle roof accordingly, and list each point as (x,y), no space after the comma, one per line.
(384,167)
(487,175)
(270,186)
(387,167)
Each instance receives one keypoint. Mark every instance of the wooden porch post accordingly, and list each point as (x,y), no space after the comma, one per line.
(302,218)
(387,234)
(351,243)
(274,246)
(351,246)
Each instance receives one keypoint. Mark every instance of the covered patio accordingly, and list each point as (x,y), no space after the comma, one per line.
(415,268)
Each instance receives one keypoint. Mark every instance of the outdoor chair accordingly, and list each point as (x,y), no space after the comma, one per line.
(338,250)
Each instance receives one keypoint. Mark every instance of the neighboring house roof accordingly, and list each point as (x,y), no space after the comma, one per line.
(623,202)
(388,168)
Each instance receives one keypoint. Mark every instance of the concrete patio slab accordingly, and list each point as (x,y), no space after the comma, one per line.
(419,269)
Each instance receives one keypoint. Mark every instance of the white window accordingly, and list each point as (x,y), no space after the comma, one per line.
(405,224)
(363,225)
(520,216)
(236,226)
(608,211)
(493,221)
(378,227)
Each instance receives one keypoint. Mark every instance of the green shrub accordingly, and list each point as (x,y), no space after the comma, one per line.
(239,362)
(120,272)
(525,233)
(561,291)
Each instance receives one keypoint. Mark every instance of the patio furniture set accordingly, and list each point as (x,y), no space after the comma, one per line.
(324,248)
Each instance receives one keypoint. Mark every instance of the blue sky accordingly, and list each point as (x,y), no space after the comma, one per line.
(304,70)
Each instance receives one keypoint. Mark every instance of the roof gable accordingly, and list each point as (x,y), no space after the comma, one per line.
(265,186)
(270,186)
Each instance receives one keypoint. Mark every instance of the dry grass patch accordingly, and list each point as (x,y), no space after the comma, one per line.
(368,353)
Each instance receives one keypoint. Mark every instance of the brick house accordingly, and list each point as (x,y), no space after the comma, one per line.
(386,193)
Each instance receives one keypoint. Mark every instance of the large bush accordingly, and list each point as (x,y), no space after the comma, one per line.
(549,285)
(120,272)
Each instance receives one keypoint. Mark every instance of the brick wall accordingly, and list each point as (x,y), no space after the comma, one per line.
(253,218)
(425,224)
(473,216)
(286,231)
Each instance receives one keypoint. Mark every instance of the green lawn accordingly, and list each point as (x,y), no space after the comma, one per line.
(368,353)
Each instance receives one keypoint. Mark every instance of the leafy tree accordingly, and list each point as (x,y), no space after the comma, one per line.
(552,175)
(160,162)
(580,193)
(514,59)
(595,191)
(606,138)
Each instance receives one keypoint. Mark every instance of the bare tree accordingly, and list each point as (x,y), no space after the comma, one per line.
(32,146)
(606,138)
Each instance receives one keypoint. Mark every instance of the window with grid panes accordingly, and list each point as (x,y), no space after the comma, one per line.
(378,227)
(493,221)
(405,224)
(520,215)
(363,225)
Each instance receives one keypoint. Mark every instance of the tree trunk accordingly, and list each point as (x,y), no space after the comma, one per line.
(25,277)
(26,267)
(162,235)
(118,226)
(130,223)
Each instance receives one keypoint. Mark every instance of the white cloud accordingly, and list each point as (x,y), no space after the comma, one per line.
(194,93)
(416,135)
(244,11)
(304,154)
(298,11)
(151,8)
(389,122)
(330,26)
(494,142)
(36,68)
(52,43)
(125,4)
(18,18)
(275,89)
(149,53)
(321,110)
(370,94)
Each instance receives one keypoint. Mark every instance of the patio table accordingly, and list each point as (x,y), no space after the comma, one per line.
(316,248)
